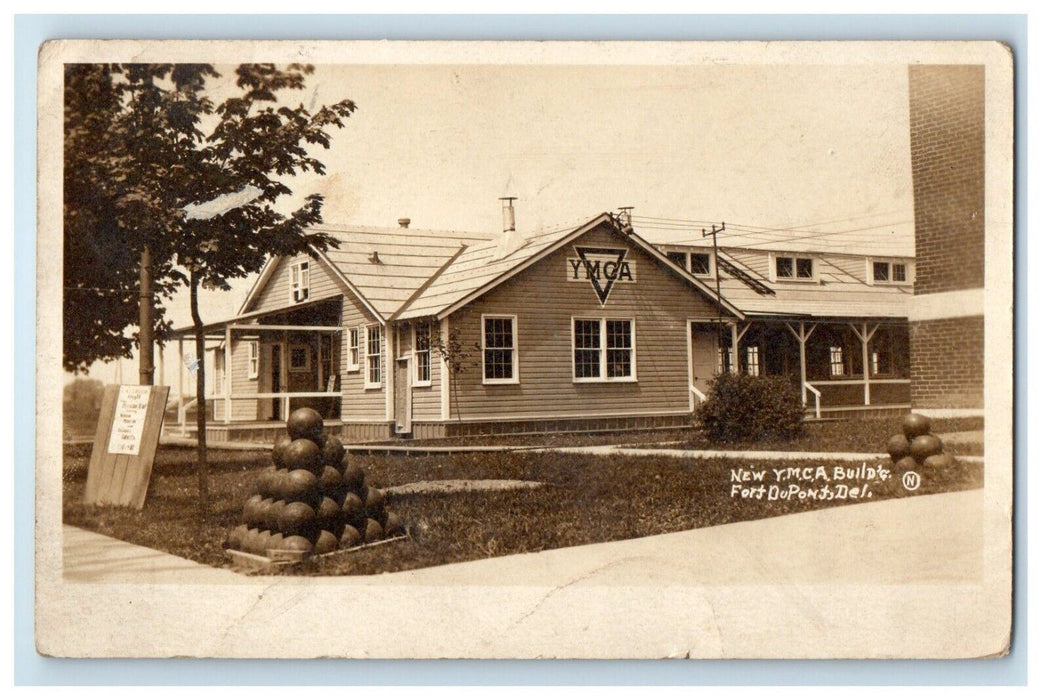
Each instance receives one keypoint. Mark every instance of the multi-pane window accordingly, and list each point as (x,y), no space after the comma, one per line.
(699,264)
(793,268)
(253,359)
(422,354)
(374,357)
(887,272)
(753,360)
(353,349)
(499,349)
(299,281)
(299,358)
(587,335)
(724,359)
(603,349)
(837,361)
(678,257)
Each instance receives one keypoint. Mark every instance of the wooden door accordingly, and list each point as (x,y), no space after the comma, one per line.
(704,356)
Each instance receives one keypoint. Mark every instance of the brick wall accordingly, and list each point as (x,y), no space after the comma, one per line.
(947,154)
(947,363)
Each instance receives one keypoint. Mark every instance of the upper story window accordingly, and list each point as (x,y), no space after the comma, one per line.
(889,272)
(499,349)
(679,258)
(795,268)
(299,281)
(696,263)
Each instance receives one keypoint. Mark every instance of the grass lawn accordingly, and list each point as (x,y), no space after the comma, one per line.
(588,499)
(851,435)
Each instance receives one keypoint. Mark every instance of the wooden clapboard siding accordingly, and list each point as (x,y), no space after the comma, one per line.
(544,302)
(275,295)
(238,369)
(426,400)
(359,403)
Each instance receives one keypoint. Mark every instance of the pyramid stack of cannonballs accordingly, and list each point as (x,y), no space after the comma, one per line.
(917,447)
(313,499)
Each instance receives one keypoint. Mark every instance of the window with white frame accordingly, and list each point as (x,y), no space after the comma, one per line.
(299,281)
(790,267)
(837,361)
(353,349)
(753,360)
(253,359)
(724,359)
(373,358)
(602,349)
(499,349)
(422,354)
(889,272)
(678,257)
(699,264)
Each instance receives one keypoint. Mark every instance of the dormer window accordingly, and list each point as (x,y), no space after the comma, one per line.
(678,257)
(299,281)
(699,264)
(889,272)
(794,268)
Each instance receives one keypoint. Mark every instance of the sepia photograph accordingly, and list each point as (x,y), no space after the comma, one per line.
(524,349)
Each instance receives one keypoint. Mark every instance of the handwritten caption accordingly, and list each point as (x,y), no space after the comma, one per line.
(806,483)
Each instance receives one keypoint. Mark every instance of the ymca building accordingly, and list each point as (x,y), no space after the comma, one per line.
(416,333)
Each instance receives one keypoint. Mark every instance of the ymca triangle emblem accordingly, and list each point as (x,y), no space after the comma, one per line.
(602,266)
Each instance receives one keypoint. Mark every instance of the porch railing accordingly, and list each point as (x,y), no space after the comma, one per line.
(817,394)
(286,397)
(699,394)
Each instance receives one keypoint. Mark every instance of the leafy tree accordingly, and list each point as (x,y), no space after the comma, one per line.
(151,140)
(456,358)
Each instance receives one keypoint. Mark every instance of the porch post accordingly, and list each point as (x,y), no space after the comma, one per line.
(228,378)
(865,338)
(181,397)
(802,339)
(286,401)
(734,360)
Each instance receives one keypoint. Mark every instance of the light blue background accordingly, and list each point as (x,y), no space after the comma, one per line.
(31,30)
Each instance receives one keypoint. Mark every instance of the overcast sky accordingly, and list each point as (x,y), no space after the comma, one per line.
(817,148)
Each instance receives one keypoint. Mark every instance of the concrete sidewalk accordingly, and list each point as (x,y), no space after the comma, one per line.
(826,457)
(882,542)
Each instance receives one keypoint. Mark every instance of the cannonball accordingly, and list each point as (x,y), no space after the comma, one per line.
(394,524)
(250,506)
(374,502)
(330,480)
(372,530)
(907,464)
(305,423)
(297,518)
(303,454)
(300,485)
(279,448)
(326,542)
(328,513)
(297,543)
(275,541)
(333,452)
(236,537)
(925,446)
(353,508)
(938,461)
(260,541)
(352,475)
(266,482)
(271,516)
(259,514)
(351,537)
(899,447)
(915,424)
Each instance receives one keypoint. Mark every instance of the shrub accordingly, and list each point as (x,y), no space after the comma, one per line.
(740,407)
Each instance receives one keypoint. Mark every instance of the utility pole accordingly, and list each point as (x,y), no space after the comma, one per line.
(714,231)
(145,320)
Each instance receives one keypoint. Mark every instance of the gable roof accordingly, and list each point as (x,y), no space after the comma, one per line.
(474,272)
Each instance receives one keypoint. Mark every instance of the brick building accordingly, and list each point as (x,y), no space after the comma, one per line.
(947,162)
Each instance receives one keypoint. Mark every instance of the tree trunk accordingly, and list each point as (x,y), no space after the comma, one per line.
(202,418)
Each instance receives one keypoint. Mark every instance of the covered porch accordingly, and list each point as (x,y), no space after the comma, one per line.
(261,367)
(839,365)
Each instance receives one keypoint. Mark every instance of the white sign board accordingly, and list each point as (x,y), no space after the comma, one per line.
(128,420)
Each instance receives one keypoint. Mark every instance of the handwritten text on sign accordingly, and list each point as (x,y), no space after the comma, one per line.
(129,419)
